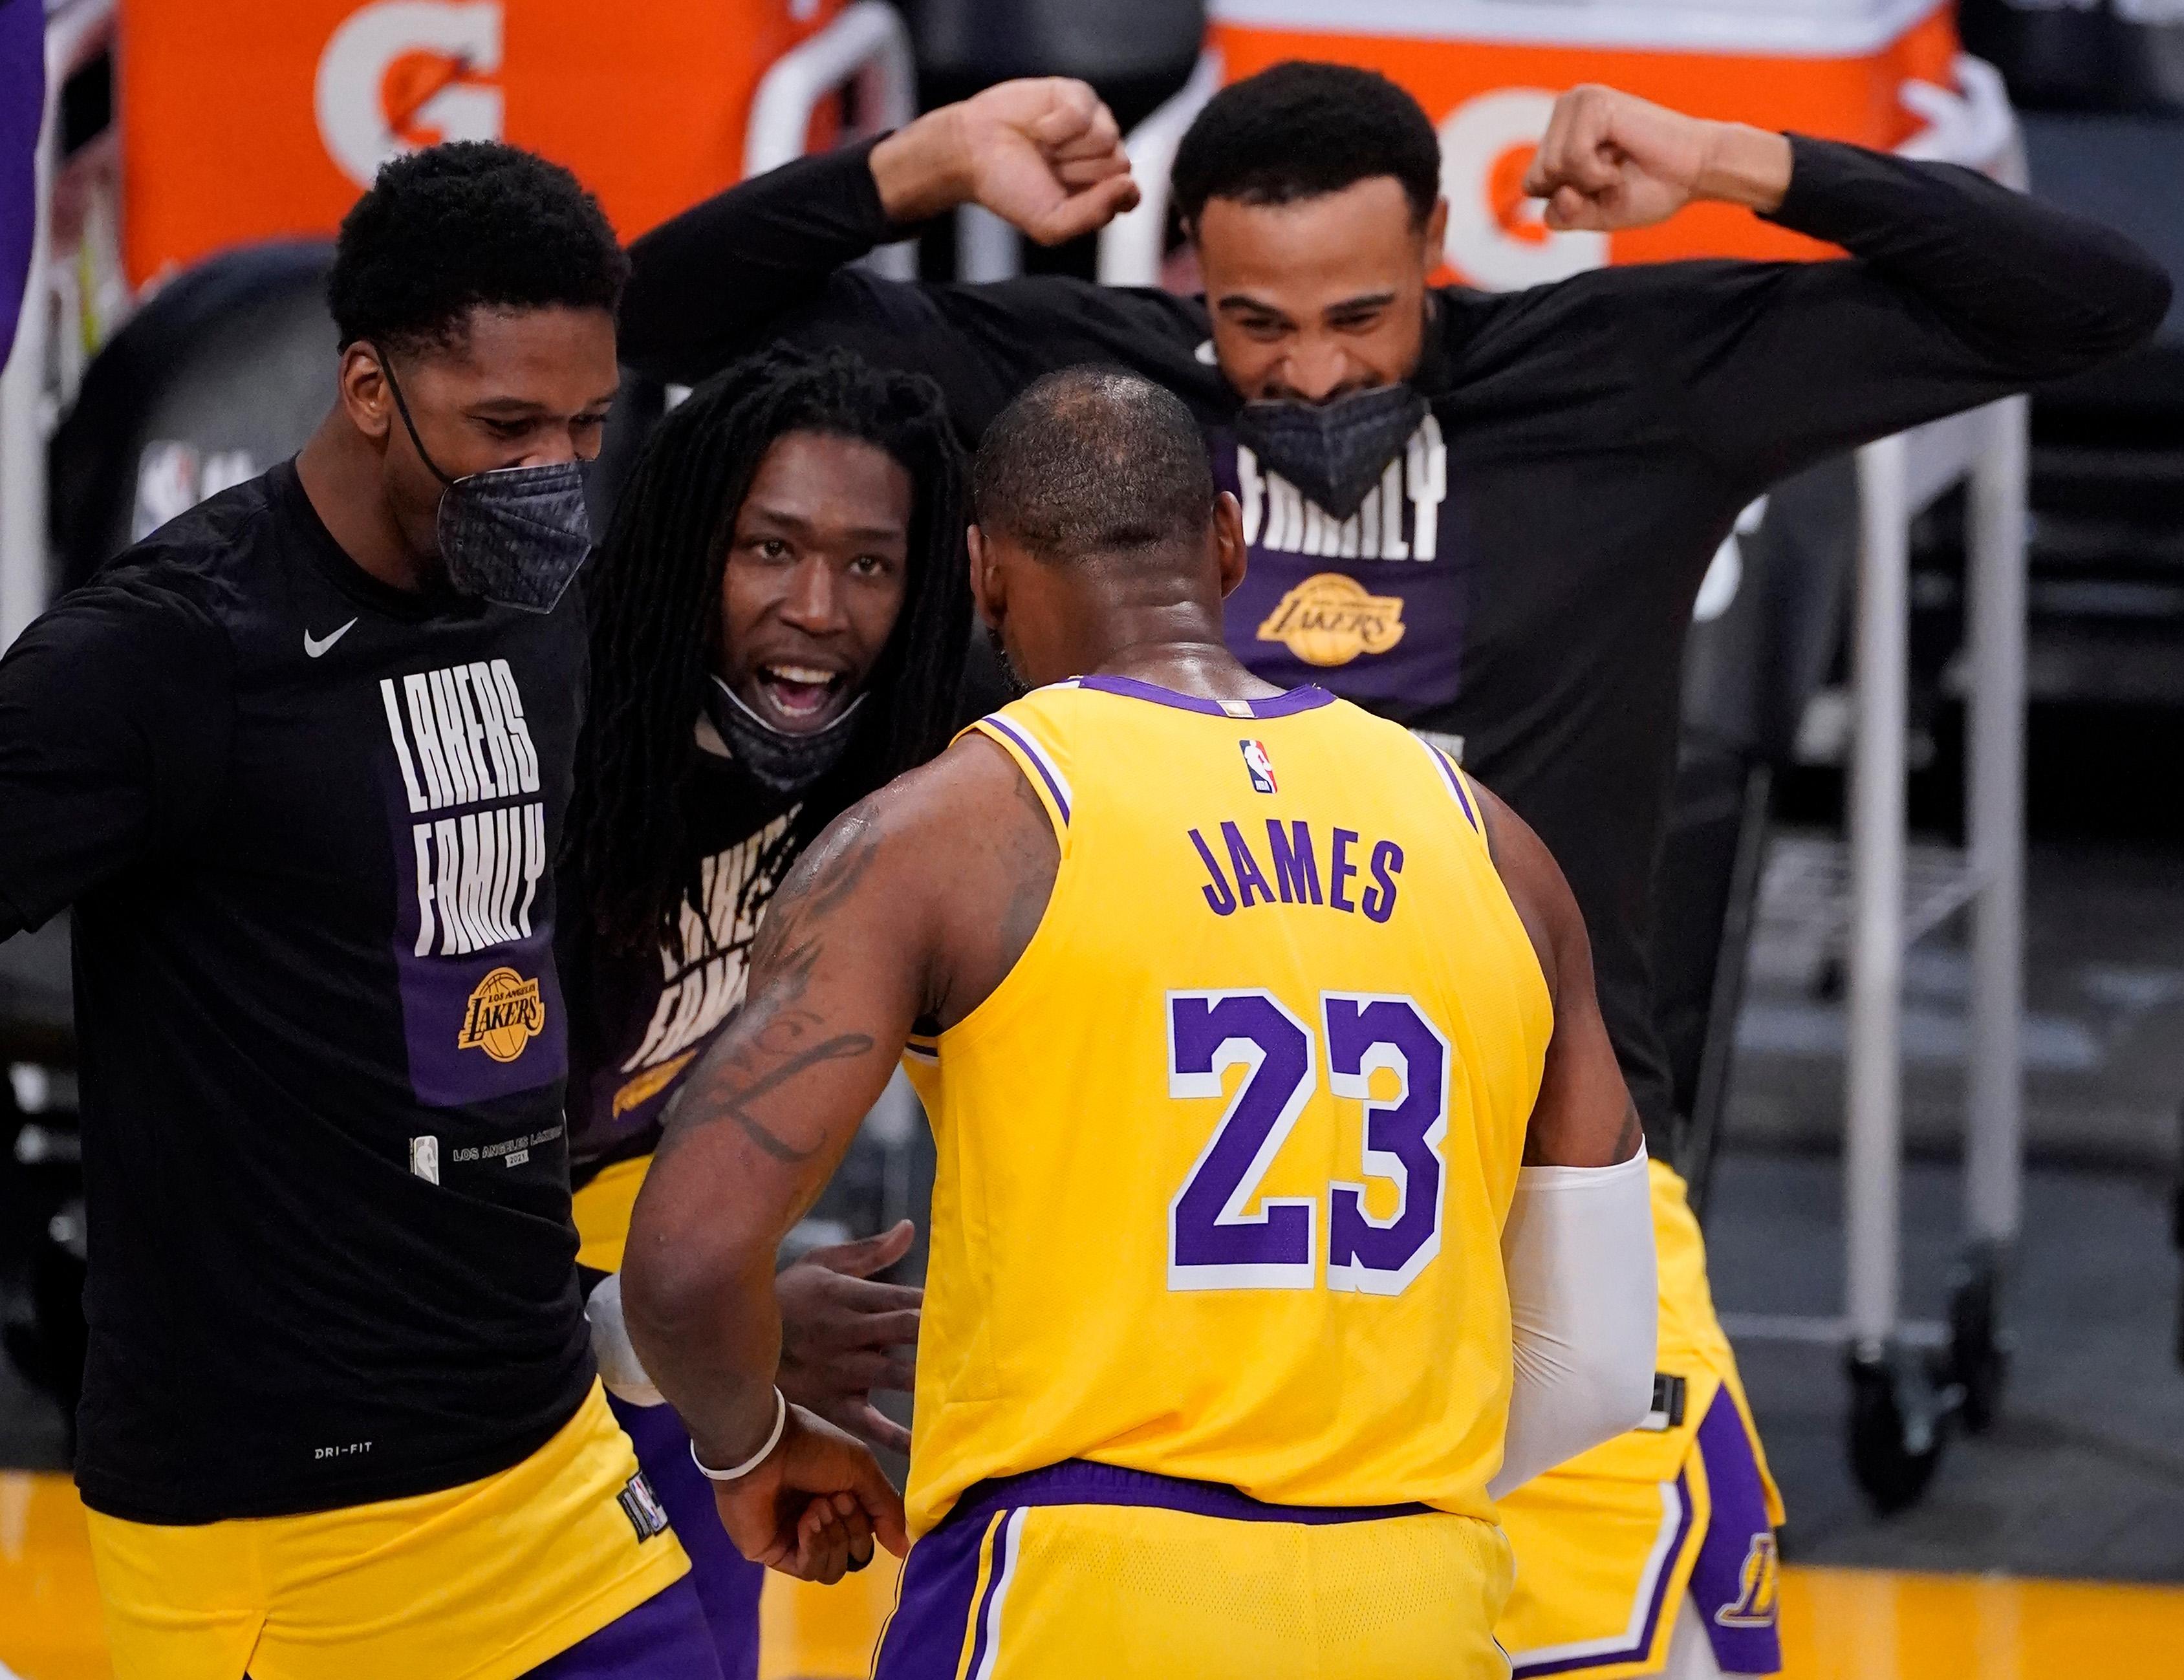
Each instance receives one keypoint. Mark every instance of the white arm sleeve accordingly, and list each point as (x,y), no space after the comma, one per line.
(1578,1252)
(620,1368)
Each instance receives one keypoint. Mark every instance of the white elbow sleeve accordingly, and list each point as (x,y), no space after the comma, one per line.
(1578,1252)
(620,1368)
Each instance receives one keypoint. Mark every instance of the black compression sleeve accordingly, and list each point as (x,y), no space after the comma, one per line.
(1956,291)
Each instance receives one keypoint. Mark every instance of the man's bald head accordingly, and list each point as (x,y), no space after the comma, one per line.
(1095,465)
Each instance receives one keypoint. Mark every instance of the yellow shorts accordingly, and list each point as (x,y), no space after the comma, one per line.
(1609,1545)
(1085,1572)
(602,1210)
(481,1581)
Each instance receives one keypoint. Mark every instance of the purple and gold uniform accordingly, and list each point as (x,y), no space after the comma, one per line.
(1214,1363)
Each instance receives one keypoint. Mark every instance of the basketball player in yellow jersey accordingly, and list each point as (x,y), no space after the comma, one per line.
(1290,1205)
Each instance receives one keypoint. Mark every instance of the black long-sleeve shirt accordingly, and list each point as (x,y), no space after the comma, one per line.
(1525,579)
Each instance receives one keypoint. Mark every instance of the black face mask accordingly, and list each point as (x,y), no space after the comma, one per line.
(776,759)
(1334,452)
(516,535)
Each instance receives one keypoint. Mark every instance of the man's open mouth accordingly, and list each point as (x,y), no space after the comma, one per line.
(798,697)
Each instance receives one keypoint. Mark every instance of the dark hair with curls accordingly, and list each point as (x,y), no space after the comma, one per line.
(1299,130)
(656,602)
(466,224)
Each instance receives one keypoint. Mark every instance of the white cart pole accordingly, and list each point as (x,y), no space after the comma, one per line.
(1995,567)
(1873,1146)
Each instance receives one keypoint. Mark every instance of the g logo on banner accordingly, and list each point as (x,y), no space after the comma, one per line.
(505,1012)
(1330,619)
(1497,237)
(403,74)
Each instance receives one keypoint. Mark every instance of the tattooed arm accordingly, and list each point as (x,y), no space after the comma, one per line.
(911,907)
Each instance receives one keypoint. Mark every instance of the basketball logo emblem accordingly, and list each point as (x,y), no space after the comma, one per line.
(1258,765)
(505,1012)
(1330,619)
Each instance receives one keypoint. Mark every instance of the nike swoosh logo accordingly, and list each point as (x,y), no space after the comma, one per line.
(314,646)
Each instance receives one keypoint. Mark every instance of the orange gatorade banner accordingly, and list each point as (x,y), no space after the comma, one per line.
(1489,97)
(252,120)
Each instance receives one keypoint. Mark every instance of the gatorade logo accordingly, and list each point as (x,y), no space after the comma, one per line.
(399,75)
(1330,619)
(1497,237)
(505,1012)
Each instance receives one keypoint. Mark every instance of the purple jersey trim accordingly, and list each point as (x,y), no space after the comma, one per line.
(1740,1611)
(1039,759)
(1644,1643)
(1303,700)
(924,1639)
(1077,1482)
(1455,780)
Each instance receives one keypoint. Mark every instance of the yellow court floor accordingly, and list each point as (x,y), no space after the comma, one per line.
(1839,1624)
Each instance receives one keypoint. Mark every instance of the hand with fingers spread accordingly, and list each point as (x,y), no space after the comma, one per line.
(842,1335)
(1610,161)
(815,1506)
(1042,153)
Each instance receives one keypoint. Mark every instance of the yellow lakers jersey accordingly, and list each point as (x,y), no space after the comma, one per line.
(1225,1160)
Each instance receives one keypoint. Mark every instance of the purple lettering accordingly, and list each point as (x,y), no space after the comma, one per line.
(1219,894)
(1249,879)
(1380,900)
(1296,872)
(1343,870)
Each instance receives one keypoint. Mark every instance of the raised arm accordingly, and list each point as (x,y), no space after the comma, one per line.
(910,908)
(1578,1247)
(770,257)
(1957,291)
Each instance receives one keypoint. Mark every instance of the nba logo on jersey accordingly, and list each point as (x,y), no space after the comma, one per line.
(1261,767)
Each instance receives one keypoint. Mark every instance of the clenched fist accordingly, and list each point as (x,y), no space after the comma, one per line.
(1610,161)
(1042,153)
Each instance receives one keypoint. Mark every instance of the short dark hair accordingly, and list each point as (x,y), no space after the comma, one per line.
(1300,129)
(1093,464)
(472,222)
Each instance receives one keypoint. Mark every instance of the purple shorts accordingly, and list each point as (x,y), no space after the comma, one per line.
(1736,1576)
(663,1638)
(726,1584)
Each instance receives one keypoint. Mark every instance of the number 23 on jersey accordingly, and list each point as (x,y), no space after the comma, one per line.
(1213,1243)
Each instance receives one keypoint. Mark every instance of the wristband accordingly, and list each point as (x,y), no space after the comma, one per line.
(737,1472)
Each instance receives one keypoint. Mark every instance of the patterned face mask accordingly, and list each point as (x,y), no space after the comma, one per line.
(777,759)
(516,535)
(1334,452)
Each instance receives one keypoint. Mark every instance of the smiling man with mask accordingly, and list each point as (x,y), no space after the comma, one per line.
(299,761)
(1485,516)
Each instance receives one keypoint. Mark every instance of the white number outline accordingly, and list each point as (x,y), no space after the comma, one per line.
(1248,1054)
(1357,1276)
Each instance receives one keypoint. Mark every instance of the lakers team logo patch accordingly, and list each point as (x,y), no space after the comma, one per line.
(1758,1585)
(1329,619)
(1258,766)
(505,1012)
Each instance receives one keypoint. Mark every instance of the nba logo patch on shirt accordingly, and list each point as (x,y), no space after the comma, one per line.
(641,1506)
(1260,767)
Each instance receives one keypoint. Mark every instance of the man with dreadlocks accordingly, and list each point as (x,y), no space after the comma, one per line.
(780,612)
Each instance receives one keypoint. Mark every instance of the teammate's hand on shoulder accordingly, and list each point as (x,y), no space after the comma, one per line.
(816,1506)
(1610,161)
(842,1335)
(1043,154)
